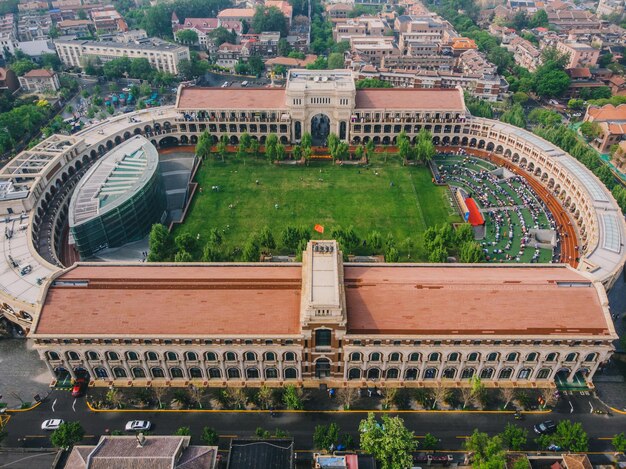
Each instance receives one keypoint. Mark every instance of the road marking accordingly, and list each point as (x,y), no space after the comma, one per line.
(463,437)
(605,438)
(36,436)
(228,436)
(53,404)
(74,405)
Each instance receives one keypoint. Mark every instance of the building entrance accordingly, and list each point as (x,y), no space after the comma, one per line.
(320,128)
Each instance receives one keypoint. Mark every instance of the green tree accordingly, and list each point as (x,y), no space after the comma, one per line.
(160,243)
(256,65)
(370,149)
(335,61)
(183,431)
(292,398)
(326,435)
(389,442)
(424,148)
(429,442)
(280,151)
(392,255)
(290,237)
(50,61)
(187,36)
(550,81)
(438,254)
(270,147)
(81,14)
(375,240)
(210,253)
(266,239)
(222,148)
(23,66)
(619,443)
(284,48)
(539,19)
(141,68)
(372,83)
(252,249)
(590,130)
(185,242)
(269,19)
(245,140)
(515,116)
(67,435)
(183,256)
(520,97)
(471,252)
(569,436)
(575,104)
(487,453)
(210,437)
(221,35)
(254,147)
(203,147)
(307,140)
(514,438)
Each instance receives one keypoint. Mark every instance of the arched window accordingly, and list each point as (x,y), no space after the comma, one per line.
(171,356)
(73,356)
(195,372)
(571,357)
(414,357)
(152,356)
(234,373)
(525,373)
(210,356)
(591,357)
(230,357)
(119,372)
(411,374)
(449,373)
(249,356)
(215,373)
(91,355)
(394,357)
(392,373)
(176,373)
(511,357)
(157,372)
(551,357)
(355,357)
(433,357)
(270,357)
(354,373)
(291,373)
(191,356)
(453,357)
(252,373)
(467,373)
(430,373)
(322,338)
(473,357)
(271,373)
(506,373)
(138,372)
(486,373)
(290,357)
(52,356)
(532,357)
(492,357)
(132,356)
(373,373)
(375,357)
(544,373)
(112,356)
(101,372)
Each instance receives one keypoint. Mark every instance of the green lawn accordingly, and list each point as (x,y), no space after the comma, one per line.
(386,197)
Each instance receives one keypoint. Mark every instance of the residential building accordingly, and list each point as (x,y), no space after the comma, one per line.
(237,14)
(32,6)
(74,27)
(8,80)
(422,56)
(34,27)
(503,33)
(373,48)
(610,7)
(566,20)
(143,452)
(40,81)
(612,122)
(580,55)
(8,35)
(162,55)
(264,44)
(473,61)
(460,45)
(228,55)
(107,21)
(290,63)
(338,11)
(277,453)
(526,55)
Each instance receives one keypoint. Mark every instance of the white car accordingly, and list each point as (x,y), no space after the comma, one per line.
(138,426)
(51,424)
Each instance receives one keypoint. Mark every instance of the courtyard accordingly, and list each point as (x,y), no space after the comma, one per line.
(241,196)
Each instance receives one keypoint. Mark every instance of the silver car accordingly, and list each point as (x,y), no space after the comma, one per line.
(138,426)
(51,424)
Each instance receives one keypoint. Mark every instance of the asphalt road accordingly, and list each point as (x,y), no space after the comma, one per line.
(451,428)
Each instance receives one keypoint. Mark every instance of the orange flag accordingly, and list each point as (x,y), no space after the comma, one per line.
(319,228)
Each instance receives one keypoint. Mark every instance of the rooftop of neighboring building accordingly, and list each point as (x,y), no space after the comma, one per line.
(450,99)
(579,72)
(40,73)
(608,112)
(173,299)
(153,43)
(201,24)
(236,13)
(577,46)
(447,299)
(282,5)
(197,98)
(291,62)
(261,454)
(73,23)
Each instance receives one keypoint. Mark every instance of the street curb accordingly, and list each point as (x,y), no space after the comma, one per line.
(377,411)
(617,411)
(24,410)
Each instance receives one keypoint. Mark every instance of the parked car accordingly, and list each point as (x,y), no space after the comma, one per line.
(80,386)
(51,424)
(545,428)
(138,426)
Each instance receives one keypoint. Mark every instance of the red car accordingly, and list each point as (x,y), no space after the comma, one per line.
(80,386)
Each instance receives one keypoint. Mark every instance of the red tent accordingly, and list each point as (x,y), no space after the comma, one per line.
(475,217)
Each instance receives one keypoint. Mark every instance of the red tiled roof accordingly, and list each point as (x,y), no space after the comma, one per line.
(607,112)
(231,98)
(422,99)
(39,73)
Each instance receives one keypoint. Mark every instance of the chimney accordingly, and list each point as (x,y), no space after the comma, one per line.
(141,439)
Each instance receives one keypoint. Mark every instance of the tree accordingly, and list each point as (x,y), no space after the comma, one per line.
(550,81)
(183,256)
(325,436)
(515,116)
(222,148)
(203,147)
(280,151)
(471,253)
(347,397)
(392,255)
(82,14)
(408,244)
(486,452)
(254,147)
(429,442)
(265,397)
(569,436)
(514,438)
(270,147)
(590,130)
(160,243)
(187,36)
(292,398)
(210,437)
(619,443)
(266,239)
(50,61)
(67,435)
(389,442)
(269,19)
(539,19)
(440,395)
(507,395)
(210,253)
(372,83)
(185,242)
(284,48)
(221,35)
(23,66)
(252,250)
(335,61)
(183,431)
(256,65)
(332,142)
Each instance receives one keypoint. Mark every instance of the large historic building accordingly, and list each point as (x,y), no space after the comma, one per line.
(133,323)
(323,321)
